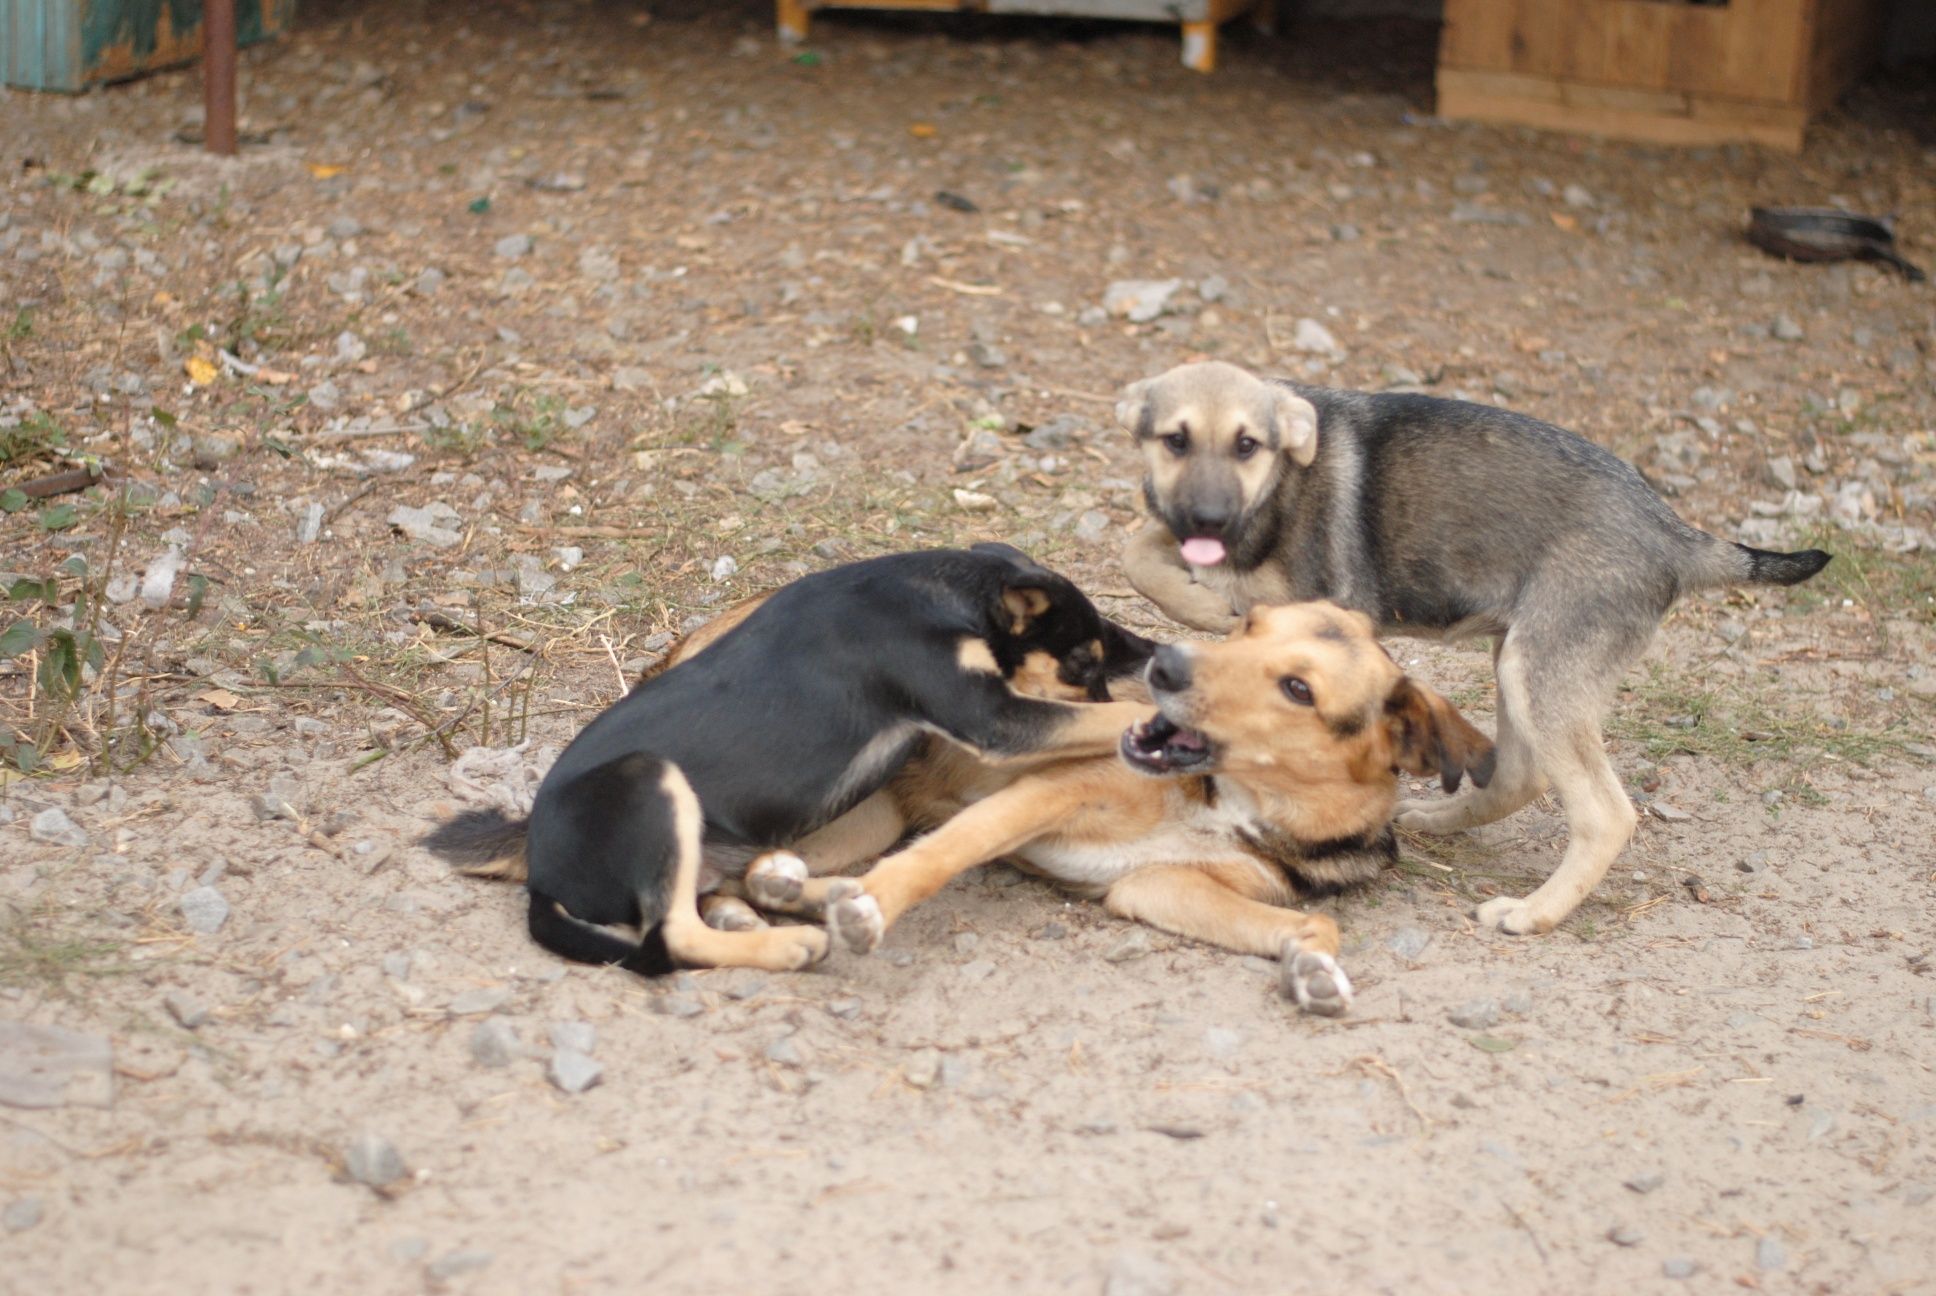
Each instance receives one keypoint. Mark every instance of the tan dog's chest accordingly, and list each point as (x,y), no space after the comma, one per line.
(1093,852)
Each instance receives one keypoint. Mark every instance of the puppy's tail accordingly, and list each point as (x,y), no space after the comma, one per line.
(1722,562)
(584,942)
(1769,568)
(482,843)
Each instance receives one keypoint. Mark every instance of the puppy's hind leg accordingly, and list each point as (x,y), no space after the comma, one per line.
(1568,699)
(1516,776)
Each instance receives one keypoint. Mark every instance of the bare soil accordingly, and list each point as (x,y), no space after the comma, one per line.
(748,337)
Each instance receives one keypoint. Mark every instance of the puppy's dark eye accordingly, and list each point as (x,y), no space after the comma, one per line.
(1297,690)
(1245,445)
(1177,442)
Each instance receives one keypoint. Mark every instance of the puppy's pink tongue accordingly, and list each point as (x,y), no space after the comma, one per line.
(1202,551)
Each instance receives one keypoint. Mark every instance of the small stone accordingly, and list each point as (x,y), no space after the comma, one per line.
(1678,1267)
(923,1069)
(988,357)
(1223,1042)
(56,829)
(1575,195)
(21,1214)
(744,987)
(845,1009)
(784,1051)
(373,1160)
(512,246)
(1625,1235)
(1770,1255)
(397,966)
(1345,232)
(1092,526)
(494,1042)
(1780,472)
(1135,1273)
(345,227)
(1408,943)
(209,450)
(965,942)
(350,348)
(678,1005)
(1313,338)
(186,1011)
(577,1035)
(1134,945)
(485,999)
(725,568)
(1787,330)
(1668,812)
(457,1262)
(1050,931)
(204,909)
(1059,433)
(573,1072)
(436,524)
(1518,1003)
(1213,288)
(1646,1183)
(1139,300)
(1476,1014)
(1772,797)
(980,448)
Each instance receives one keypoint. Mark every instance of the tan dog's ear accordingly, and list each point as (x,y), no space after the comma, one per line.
(1429,736)
(1296,420)
(1024,603)
(1131,402)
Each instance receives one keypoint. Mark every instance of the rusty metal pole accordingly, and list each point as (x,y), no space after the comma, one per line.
(218,76)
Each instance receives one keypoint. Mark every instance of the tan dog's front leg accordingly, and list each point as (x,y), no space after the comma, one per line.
(1159,574)
(1192,902)
(860,912)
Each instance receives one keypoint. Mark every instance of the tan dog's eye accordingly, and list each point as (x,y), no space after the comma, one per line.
(1246,445)
(1297,691)
(1178,442)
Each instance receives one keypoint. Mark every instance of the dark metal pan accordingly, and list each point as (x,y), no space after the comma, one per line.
(1826,234)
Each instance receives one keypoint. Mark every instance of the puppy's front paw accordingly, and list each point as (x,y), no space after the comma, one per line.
(854,918)
(1315,982)
(776,880)
(1512,915)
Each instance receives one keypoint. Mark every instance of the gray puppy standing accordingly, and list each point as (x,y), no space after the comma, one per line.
(1438,519)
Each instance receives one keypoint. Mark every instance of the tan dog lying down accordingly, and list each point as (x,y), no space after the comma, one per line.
(1269,771)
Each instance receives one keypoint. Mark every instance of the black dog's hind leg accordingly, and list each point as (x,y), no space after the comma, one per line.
(687,939)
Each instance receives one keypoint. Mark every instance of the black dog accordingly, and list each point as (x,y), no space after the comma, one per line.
(797,713)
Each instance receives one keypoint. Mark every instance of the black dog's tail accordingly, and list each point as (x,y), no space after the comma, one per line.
(482,843)
(584,942)
(1771,568)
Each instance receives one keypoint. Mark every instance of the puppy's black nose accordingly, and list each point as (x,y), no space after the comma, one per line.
(1212,520)
(1169,670)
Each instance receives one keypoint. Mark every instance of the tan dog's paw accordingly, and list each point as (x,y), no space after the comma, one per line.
(802,946)
(725,913)
(1512,915)
(1315,982)
(854,918)
(776,880)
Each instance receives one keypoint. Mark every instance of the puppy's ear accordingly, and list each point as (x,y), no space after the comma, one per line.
(1023,604)
(1429,736)
(1296,421)
(1123,650)
(1132,402)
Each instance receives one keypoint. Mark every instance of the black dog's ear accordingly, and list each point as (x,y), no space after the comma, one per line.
(996,549)
(1023,604)
(1429,736)
(1124,652)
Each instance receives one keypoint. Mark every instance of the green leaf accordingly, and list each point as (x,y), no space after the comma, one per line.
(59,517)
(268,670)
(197,590)
(76,565)
(93,652)
(163,417)
(1492,1043)
(12,500)
(19,638)
(27,589)
(479,206)
(807,58)
(60,667)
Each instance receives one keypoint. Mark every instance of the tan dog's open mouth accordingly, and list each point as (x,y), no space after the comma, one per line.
(1159,745)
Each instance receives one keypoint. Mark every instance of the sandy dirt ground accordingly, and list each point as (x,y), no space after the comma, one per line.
(573,323)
